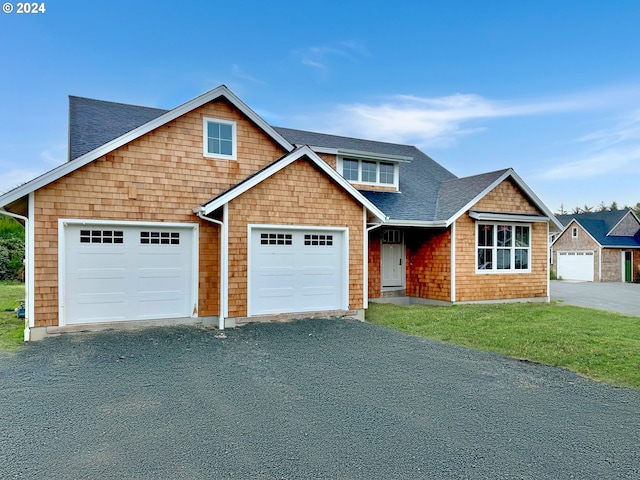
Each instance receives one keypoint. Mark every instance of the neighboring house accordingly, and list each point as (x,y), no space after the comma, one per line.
(207,212)
(598,247)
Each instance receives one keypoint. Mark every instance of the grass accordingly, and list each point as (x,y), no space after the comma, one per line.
(11,328)
(604,346)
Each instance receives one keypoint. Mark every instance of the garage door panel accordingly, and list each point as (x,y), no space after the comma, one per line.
(129,280)
(576,265)
(304,274)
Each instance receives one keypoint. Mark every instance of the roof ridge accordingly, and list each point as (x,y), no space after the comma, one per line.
(118,103)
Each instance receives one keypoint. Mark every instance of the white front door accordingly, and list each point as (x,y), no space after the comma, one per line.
(392,268)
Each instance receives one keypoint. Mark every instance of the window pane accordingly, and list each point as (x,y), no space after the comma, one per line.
(522,236)
(504,235)
(485,257)
(485,235)
(213,146)
(369,171)
(386,173)
(504,259)
(350,169)
(226,147)
(522,259)
(213,130)
(225,131)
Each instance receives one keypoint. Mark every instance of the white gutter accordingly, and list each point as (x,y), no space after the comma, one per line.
(28,278)
(224,260)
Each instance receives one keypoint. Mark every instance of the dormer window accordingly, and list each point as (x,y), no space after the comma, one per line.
(369,172)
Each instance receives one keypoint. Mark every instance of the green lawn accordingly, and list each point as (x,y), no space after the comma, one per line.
(601,345)
(11,328)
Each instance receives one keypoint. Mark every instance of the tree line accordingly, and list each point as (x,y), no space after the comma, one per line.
(11,249)
(602,207)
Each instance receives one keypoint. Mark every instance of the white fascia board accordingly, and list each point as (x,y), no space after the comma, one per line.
(279,165)
(70,166)
(507,217)
(416,223)
(528,192)
(374,156)
(362,155)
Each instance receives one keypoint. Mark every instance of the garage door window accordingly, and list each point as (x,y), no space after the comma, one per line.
(101,236)
(160,238)
(318,240)
(276,239)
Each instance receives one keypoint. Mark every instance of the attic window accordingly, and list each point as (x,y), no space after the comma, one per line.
(219,139)
(369,172)
(574,232)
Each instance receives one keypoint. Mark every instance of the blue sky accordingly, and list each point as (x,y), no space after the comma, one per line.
(549,88)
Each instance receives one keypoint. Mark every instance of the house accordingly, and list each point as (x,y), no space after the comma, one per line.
(207,213)
(598,247)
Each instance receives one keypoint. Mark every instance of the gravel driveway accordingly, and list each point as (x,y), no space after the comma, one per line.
(308,399)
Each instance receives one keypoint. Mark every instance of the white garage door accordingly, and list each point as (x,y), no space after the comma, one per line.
(575,266)
(127,272)
(295,270)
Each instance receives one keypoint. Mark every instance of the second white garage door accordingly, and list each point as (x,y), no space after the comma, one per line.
(297,270)
(576,265)
(129,271)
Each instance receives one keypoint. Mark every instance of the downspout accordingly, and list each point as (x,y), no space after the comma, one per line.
(28,252)
(366,258)
(224,266)
(453,262)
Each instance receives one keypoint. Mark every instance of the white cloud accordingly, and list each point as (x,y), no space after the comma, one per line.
(319,57)
(623,161)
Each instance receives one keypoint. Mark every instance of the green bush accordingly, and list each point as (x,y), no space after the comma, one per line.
(11,249)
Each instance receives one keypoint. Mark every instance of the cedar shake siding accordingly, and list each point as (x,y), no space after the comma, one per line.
(472,286)
(160,176)
(375,279)
(428,264)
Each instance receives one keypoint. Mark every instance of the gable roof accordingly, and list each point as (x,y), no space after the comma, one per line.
(130,135)
(428,195)
(600,226)
(274,167)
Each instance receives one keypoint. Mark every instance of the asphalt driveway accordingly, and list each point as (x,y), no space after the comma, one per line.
(613,296)
(323,399)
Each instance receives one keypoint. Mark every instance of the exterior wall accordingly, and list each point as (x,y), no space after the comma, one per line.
(297,195)
(635,262)
(612,264)
(428,264)
(472,286)
(161,176)
(628,227)
(583,242)
(375,261)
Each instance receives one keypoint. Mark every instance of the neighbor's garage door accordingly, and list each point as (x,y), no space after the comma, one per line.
(296,270)
(575,266)
(126,272)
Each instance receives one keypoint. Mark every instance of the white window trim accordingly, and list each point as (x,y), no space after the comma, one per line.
(205,140)
(377,183)
(512,270)
(574,232)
